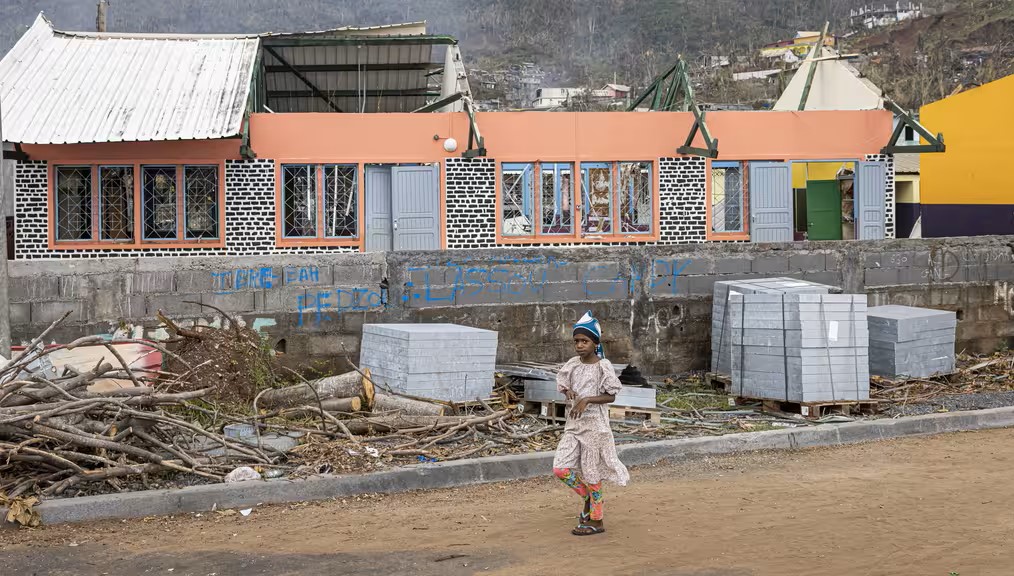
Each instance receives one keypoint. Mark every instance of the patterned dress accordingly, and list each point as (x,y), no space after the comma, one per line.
(587,443)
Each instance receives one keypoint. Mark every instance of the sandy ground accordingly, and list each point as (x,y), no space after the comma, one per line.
(929,506)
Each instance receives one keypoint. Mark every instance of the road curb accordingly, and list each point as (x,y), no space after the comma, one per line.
(496,468)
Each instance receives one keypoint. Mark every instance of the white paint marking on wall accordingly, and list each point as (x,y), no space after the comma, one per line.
(1004,294)
(262,323)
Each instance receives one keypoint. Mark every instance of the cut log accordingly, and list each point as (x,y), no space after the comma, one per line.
(390,403)
(350,385)
(385,424)
(342,404)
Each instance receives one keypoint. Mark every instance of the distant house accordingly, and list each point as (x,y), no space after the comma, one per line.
(798,46)
(872,16)
(547,98)
(612,92)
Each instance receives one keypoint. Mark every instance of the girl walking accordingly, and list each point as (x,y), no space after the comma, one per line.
(586,455)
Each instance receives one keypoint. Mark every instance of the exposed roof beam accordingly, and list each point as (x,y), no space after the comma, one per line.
(817,50)
(362,40)
(353,67)
(349,93)
(313,89)
(440,103)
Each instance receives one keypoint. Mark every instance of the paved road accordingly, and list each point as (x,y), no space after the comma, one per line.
(928,506)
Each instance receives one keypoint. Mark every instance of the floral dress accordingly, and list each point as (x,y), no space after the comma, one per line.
(587,443)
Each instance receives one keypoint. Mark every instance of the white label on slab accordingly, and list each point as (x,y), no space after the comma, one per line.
(795,284)
(804,410)
(832,330)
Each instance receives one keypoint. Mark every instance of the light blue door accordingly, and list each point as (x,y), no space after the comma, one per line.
(416,207)
(379,216)
(871,197)
(770,202)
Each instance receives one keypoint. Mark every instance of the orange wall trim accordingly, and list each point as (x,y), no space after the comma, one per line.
(566,136)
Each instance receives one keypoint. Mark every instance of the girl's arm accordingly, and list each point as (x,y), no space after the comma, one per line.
(582,403)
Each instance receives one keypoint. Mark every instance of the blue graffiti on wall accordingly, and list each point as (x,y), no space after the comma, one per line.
(326,305)
(469,278)
(262,278)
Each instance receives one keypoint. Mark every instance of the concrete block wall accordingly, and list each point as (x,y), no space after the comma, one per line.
(654,302)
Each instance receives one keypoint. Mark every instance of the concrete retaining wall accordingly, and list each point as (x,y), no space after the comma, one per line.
(654,302)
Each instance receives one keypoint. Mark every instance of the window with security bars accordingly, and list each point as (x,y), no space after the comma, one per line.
(200,200)
(557,197)
(728,196)
(320,201)
(518,199)
(158,202)
(341,192)
(102,203)
(299,201)
(635,200)
(116,203)
(597,196)
(73,203)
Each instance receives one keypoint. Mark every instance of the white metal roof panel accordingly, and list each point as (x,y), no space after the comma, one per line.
(63,88)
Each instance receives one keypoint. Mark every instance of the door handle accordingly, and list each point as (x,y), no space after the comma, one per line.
(395,223)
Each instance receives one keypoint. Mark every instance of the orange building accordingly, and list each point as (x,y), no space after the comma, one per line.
(200,145)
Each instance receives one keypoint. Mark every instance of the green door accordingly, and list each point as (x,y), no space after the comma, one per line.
(823,210)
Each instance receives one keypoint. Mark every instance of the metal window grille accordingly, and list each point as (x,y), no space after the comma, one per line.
(556,198)
(200,201)
(597,193)
(517,199)
(299,201)
(341,212)
(727,197)
(116,202)
(158,202)
(636,207)
(73,203)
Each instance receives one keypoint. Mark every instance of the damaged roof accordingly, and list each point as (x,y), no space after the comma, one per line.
(66,88)
(837,85)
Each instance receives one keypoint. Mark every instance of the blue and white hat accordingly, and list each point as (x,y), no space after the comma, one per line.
(590,327)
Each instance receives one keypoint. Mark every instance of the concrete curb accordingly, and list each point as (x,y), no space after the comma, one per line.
(496,468)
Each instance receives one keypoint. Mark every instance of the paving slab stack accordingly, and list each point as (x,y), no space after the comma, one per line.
(911,342)
(721,336)
(440,361)
(800,348)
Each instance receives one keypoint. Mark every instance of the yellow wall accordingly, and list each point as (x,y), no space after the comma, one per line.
(977,127)
(803,171)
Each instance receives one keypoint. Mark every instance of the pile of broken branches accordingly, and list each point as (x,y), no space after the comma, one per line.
(973,375)
(56,434)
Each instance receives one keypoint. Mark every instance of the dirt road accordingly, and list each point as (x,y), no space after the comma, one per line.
(928,507)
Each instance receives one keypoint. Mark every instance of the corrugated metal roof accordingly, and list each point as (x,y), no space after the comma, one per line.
(61,88)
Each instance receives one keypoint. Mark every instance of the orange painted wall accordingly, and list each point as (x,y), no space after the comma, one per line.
(592,136)
(217,150)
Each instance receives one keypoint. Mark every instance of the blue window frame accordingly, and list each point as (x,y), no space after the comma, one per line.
(728,197)
(517,199)
(597,198)
(556,198)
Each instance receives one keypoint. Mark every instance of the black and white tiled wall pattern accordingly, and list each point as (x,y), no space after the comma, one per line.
(470,188)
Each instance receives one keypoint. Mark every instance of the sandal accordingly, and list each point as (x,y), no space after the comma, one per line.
(587,530)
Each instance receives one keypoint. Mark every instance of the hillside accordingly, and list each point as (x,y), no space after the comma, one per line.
(588,42)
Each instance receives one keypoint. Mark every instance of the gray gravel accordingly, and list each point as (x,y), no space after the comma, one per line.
(955,403)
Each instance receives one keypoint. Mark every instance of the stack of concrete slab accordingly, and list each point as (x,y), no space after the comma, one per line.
(799,347)
(721,335)
(440,361)
(629,396)
(912,342)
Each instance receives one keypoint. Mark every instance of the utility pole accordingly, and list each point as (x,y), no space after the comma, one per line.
(100,17)
(5,303)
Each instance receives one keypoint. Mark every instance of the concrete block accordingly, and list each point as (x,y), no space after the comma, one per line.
(236,302)
(171,304)
(770,264)
(808,262)
(21,313)
(555,272)
(599,271)
(30,288)
(151,282)
(697,266)
(287,299)
(882,277)
(430,297)
(733,265)
(901,259)
(367,275)
(197,281)
(607,290)
(306,275)
(830,278)
(700,285)
(75,287)
(419,276)
(563,292)
(470,295)
(49,312)
(669,287)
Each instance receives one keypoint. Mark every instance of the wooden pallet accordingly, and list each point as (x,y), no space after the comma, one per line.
(815,409)
(557,412)
(719,382)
